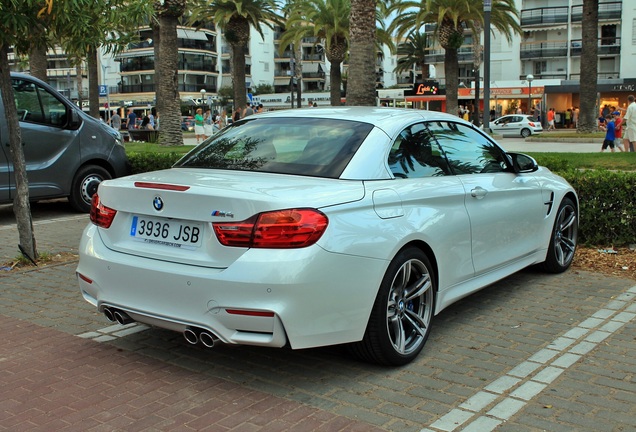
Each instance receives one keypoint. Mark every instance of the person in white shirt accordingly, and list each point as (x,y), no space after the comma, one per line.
(629,125)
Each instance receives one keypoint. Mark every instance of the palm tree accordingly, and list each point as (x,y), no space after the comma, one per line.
(168,13)
(362,54)
(452,18)
(413,52)
(235,17)
(368,36)
(589,62)
(324,20)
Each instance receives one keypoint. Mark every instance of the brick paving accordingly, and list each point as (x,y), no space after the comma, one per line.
(64,367)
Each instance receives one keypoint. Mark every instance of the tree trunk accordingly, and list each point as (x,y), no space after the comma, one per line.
(451,67)
(21,205)
(38,62)
(298,73)
(361,82)
(336,81)
(171,133)
(93,80)
(79,80)
(238,75)
(156,41)
(588,112)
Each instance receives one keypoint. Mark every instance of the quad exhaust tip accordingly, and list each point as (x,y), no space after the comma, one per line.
(116,315)
(196,335)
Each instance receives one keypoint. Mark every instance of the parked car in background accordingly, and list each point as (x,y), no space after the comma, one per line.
(187,124)
(67,153)
(304,228)
(516,125)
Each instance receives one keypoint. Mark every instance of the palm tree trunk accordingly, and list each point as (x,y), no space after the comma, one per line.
(362,60)
(156,41)
(589,60)
(171,102)
(336,81)
(238,75)
(451,67)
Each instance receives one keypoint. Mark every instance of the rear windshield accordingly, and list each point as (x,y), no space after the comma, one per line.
(287,145)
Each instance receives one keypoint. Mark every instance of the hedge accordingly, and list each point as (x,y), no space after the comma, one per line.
(607,198)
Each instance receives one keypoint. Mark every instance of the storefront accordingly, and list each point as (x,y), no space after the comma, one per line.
(614,94)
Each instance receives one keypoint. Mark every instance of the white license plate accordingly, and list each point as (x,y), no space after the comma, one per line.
(168,232)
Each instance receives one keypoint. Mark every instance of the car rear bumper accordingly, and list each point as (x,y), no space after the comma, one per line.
(305,297)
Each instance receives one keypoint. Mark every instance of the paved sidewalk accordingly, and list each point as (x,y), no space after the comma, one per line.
(533,352)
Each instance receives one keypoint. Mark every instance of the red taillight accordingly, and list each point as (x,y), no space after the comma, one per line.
(531,124)
(101,215)
(280,229)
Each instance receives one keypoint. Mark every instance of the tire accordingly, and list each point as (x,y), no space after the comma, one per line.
(400,320)
(525,132)
(563,239)
(84,186)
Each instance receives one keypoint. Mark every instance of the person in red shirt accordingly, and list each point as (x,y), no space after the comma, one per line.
(618,130)
(551,119)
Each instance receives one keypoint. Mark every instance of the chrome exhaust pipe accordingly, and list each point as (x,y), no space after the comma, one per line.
(122,317)
(207,339)
(109,314)
(191,335)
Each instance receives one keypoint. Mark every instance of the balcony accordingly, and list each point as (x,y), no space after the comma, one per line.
(543,16)
(607,46)
(544,49)
(465,54)
(606,11)
(601,75)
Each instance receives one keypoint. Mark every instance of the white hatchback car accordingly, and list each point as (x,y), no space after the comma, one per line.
(516,125)
(315,227)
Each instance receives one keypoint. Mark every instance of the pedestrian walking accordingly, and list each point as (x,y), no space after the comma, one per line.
(132,119)
(115,121)
(199,130)
(551,119)
(618,131)
(629,125)
(609,135)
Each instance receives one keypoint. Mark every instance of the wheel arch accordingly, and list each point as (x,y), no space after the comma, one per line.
(426,248)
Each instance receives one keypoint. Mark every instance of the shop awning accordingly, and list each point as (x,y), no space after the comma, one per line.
(191,34)
(546,28)
(311,67)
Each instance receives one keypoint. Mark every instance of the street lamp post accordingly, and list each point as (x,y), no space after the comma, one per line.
(107,116)
(529,78)
(203,98)
(487,10)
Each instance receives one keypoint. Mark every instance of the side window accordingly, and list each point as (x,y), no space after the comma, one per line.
(468,151)
(36,105)
(415,154)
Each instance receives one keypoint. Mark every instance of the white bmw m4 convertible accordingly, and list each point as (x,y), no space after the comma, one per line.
(315,227)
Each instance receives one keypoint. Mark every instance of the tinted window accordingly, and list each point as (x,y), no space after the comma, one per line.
(416,154)
(314,147)
(468,151)
(36,105)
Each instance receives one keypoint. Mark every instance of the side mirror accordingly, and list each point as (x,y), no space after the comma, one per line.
(75,120)
(523,163)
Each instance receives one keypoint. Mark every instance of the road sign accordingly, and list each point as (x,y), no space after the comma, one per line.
(103,90)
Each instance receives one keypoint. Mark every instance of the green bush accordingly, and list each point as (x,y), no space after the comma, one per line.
(144,162)
(607,198)
(607,206)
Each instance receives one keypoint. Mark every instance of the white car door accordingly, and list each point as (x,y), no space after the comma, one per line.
(506,210)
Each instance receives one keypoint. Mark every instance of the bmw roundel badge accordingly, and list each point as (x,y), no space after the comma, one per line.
(157,203)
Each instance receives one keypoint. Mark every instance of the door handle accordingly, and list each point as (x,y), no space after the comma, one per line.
(478,192)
